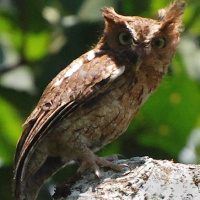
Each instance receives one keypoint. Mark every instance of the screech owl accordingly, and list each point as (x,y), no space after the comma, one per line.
(93,100)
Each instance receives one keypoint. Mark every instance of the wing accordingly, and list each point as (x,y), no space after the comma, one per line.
(85,78)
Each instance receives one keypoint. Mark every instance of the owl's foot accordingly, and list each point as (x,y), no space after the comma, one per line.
(92,162)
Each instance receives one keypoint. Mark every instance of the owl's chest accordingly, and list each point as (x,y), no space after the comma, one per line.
(105,117)
(108,115)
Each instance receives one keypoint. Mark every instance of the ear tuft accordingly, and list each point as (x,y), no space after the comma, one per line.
(173,13)
(109,14)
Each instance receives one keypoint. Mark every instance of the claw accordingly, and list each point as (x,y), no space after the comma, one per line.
(98,173)
(90,161)
(125,166)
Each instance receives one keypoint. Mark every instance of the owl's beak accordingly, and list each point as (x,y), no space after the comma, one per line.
(141,48)
(139,62)
(140,51)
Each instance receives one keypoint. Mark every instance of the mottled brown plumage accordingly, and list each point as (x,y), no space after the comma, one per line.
(92,101)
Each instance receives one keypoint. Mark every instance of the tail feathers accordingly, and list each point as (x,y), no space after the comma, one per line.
(28,188)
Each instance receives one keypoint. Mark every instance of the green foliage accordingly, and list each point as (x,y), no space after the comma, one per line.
(40,38)
(10,128)
(170,115)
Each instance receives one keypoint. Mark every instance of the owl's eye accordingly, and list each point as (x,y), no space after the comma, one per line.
(159,42)
(125,38)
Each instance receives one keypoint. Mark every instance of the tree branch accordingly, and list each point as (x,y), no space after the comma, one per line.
(146,179)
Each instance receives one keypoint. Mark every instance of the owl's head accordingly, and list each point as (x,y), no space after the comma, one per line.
(143,37)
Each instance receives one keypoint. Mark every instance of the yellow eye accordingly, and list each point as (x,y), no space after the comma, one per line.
(125,38)
(159,42)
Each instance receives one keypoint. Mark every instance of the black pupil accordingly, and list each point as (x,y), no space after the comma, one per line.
(126,38)
(160,42)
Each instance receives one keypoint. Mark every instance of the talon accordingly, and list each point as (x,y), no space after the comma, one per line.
(125,166)
(88,160)
(98,174)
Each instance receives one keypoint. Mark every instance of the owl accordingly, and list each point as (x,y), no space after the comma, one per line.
(93,100)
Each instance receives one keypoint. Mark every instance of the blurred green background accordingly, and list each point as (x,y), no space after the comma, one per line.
(38,38)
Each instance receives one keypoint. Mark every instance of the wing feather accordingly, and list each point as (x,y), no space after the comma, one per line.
(82,80)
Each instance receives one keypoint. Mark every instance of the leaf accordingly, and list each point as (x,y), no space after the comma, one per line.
(10,129)
(171,113)
(37,45)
